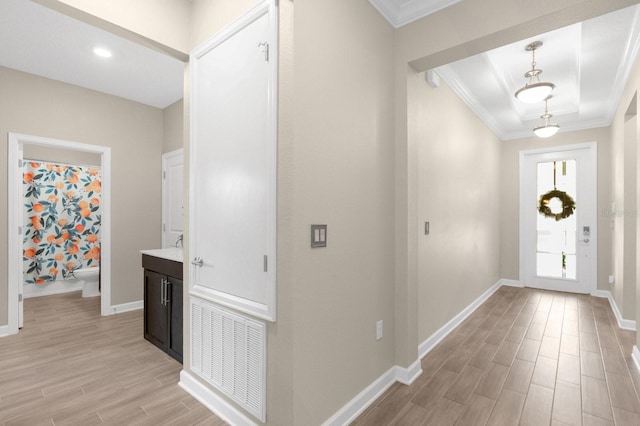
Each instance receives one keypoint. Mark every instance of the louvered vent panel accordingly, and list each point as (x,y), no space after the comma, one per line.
(196,344)
(206,341)
(255,361)
(216,342)
(228,351)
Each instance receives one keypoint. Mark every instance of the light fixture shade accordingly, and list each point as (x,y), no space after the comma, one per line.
(534,90)
(546,130)
(534,93)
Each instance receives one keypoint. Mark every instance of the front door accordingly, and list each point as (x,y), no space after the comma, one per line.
(558,218)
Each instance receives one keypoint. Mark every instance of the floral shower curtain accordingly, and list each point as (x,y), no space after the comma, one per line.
(61,220)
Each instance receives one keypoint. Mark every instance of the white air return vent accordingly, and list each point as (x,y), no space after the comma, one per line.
(228,351)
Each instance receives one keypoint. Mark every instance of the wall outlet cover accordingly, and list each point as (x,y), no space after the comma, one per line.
(379,330)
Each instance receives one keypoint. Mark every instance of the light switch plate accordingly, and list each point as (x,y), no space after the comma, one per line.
(318,236)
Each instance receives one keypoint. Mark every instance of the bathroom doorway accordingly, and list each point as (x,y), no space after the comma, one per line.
(16,143)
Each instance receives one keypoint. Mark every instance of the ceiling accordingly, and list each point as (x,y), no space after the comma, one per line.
(40,41)
(589,63)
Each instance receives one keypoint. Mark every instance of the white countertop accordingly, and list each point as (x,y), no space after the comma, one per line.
(170,253)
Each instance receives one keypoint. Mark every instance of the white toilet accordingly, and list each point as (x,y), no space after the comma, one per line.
(89,278)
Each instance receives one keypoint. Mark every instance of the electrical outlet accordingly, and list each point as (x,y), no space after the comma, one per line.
(379,330)
(611,279)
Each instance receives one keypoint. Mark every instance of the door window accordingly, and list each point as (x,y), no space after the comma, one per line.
(556,235)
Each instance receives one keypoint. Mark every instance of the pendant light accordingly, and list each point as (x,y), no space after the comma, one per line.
(547,129)
(534,90)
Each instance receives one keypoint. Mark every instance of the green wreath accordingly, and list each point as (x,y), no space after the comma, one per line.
(568,205)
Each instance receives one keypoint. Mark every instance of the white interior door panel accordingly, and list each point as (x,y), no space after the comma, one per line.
(233,167)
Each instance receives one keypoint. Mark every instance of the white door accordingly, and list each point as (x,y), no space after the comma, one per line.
(558,218)
(233,166)
(172,201)
(19,180)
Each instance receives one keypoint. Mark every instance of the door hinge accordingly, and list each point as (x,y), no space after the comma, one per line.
(19,230)
(265,50)
(266,263)
(19,163)
(20,298)
(164,227)
(164,174)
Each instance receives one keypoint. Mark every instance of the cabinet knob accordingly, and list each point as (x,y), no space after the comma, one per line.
(197,262)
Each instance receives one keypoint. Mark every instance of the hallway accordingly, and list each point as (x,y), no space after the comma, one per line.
(526,357)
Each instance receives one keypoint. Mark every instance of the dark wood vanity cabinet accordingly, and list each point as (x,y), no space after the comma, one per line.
(163,304)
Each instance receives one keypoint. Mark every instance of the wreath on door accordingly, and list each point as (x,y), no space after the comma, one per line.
(568,205)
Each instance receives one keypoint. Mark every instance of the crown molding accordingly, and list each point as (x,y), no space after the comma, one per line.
(447,74)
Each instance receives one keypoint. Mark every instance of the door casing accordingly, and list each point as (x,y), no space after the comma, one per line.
(591,217)
(15,142)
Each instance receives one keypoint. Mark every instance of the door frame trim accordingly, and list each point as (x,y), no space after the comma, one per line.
(266,311)
(593,219)
(15,214)
(165,159)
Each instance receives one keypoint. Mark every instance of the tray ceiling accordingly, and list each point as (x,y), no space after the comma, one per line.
(589,63)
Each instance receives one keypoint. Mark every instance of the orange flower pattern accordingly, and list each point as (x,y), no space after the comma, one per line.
(62,220)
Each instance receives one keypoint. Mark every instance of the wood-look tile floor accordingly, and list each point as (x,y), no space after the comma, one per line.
(70,366)
(525,357)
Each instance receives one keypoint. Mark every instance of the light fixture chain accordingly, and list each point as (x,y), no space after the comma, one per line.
(533,59)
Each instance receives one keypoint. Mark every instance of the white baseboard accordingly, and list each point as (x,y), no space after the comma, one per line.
(406,376)
(635,355)
(431,342)
(624,324)
(48,289)
(4,330)
(357,405)
(511,283)
(350,411)
(126,307)
(213,401)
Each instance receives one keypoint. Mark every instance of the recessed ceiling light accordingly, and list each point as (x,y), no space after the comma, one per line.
(102,52)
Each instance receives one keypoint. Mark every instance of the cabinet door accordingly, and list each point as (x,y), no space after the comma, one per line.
(155,312)
(174,345)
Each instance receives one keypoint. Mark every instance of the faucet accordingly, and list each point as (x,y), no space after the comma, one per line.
(180,240)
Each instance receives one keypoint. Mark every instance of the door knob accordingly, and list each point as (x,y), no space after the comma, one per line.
(197,262)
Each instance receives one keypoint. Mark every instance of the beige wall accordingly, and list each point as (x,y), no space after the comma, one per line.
(41,107)
(624,141)
(335,167)
(342,175)
(173,126)
(459,179)
(510,197)
(208,17)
